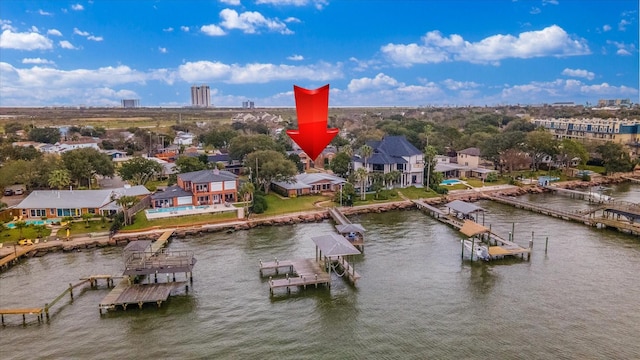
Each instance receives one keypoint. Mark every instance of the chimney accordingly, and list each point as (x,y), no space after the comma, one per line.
(216,171)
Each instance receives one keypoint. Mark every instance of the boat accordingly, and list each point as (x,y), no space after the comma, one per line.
(480,250)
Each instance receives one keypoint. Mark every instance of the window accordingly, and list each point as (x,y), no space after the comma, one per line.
(201,188)
(52,211)
(68,212)
(38,212)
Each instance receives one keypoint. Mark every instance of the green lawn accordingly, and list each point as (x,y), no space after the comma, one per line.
(279,205)
(596,169)
(413,192)
(11,236)
(141,221)
(81,227)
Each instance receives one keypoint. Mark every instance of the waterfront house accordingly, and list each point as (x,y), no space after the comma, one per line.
(74,203)
(305,184)
(210,187)
(394,153)
(172,196)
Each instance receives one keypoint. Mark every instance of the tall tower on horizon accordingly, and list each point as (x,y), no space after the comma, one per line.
(200,96)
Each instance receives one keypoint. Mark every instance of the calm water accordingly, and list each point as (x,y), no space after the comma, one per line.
(416,298)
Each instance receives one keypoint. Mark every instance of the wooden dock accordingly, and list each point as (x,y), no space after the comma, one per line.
(302,273)
(39,312)
(20,251)
(501,247)
(589,196)
(125,294)
(344,226)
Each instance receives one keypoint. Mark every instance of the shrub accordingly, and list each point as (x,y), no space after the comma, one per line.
(259,204)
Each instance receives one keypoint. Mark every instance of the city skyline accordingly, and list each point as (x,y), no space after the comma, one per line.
(383,53)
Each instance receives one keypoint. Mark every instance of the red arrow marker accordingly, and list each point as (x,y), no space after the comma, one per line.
(312,107)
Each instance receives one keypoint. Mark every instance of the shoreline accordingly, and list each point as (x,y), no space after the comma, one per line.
(121,239)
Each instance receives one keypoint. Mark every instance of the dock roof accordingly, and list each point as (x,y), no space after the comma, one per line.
(463,207)
(335,245)
(470,228)
(348,228)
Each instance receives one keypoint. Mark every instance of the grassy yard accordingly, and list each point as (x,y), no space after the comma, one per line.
(81,227)
(595,169)
(413,192)
(141,222)
(278,205)
(11,236)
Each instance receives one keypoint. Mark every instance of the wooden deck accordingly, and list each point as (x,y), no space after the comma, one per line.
(139,294)
(17,254)
(304,272)
(39,312)
(162,241)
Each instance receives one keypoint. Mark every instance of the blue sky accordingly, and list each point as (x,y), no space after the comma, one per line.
(372,53)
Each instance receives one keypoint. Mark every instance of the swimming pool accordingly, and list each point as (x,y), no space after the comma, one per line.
(12,224)
(450,182)
(175,209)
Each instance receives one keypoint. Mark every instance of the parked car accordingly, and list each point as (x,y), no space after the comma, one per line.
(18,192)
(8,192)
(25,242)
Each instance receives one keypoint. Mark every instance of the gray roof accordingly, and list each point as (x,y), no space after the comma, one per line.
(73,199)
(78,199)
(138,245)
(207,176)
(349,228)
(463,207)
(292,185)
(170,193)
(390,150)
(470,151)
(335,245)
(318,177)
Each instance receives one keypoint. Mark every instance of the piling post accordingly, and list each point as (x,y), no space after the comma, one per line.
(530,247)
(473,245)
(71,291)
(462,250)
(546,244)
(46,310)
(513,232)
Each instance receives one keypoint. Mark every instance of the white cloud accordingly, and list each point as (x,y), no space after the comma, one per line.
(163,50)
(94,38)
(54,32)
(318,4)
(561,90)
(534,11)
(550,41)
(606,28)
(169,29)
(231,2)
(184,28)
(579,73)
(80,32)
(6,25)
(256,73)
(551,2)
(36,61)
(77,7)
(251,22)
(381,81)
(622,25)
(35,29)
(292,20)
(295,57)
(623,49)
(44,13)
(66,45)
(212,30)
(459,85)
(24,41)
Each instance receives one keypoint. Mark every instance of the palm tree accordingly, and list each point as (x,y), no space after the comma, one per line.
(246,193)
(391,177)
(366,152)
(20,225)
(361,176)
(59,179)
(126,202)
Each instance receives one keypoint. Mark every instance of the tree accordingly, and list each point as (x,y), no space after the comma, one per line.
(361,177)
(185,164)
(139,170)
(366,152)
(570,149)
(246,194)
(86,217)
(219,138)
(346,195)
(13,127)
(126,202)
(45,135)
(430,153)
(271,166)
(295,158)
(341,164)
(84,163)
(539,144)
(391,178)
(20,225)
(614,157)
(240,146)
(59,179)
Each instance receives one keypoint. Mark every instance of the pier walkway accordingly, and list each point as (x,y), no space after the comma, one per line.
(353,232)
(589,196)
(299,272)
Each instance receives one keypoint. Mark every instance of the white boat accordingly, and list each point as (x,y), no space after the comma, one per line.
(479,250)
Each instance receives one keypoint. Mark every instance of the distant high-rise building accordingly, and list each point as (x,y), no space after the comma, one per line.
(248,104)
(130,103)
(201,96)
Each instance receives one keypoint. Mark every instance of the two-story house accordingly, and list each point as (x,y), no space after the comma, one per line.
(394,153)
(210,187)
